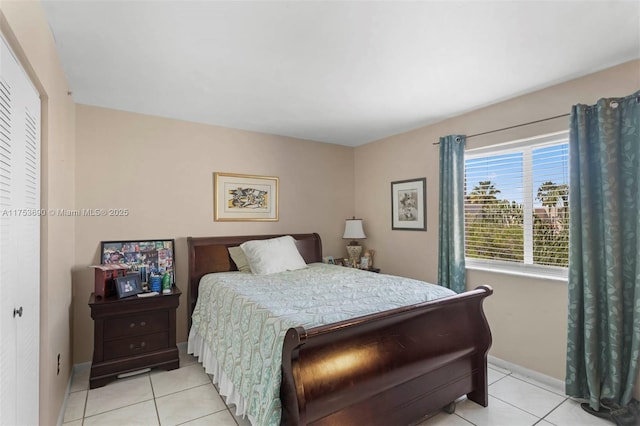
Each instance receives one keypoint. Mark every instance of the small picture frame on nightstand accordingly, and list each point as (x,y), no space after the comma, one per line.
(364,263)
(129,285)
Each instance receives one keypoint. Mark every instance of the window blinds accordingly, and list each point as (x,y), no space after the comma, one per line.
(516,204)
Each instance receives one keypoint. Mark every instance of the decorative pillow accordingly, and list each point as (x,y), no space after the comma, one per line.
(273,255)
(239,259)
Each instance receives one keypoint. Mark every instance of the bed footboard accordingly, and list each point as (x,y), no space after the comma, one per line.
(393,367)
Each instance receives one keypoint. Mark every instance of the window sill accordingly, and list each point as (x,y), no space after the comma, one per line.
(530,271)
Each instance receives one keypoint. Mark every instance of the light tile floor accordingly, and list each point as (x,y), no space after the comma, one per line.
(186,396)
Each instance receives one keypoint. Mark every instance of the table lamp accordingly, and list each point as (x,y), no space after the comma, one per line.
(353,231)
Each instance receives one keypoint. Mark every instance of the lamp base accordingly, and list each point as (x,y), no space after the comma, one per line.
(354,254)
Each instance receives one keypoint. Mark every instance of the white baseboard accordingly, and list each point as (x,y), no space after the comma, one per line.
(64,402)
(76,369)
(549,381)
(84,366)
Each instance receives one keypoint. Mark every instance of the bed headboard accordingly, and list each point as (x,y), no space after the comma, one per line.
(211,254)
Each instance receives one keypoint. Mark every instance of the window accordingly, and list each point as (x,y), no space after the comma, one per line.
(517,206)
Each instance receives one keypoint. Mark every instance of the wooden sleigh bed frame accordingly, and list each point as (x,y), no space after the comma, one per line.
(393,367)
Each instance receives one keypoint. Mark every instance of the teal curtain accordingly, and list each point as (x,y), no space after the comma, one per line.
(604,260)
(451,270)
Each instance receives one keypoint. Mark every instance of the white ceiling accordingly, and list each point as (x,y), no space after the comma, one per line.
(340,72)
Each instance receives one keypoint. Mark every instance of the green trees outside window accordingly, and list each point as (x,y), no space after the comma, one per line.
(495,227)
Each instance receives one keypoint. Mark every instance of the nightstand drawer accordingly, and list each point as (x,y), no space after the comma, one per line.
(135,325)
(135,345)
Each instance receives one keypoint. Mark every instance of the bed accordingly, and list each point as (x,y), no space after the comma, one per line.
(391,367)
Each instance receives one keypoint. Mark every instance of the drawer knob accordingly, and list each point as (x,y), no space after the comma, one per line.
(134,348)
(133,324)
(142,323)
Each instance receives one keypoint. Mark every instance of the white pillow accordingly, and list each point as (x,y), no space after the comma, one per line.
(239,259)
(273,255)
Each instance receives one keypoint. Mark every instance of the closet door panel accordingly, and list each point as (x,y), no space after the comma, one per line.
(29,263)
(28,332)
(8,234)
(19,243)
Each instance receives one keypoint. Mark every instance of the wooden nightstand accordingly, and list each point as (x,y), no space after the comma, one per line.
(133,333)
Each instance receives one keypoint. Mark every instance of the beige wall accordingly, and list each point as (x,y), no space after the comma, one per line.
(527,315)
(162,171)
(24,26)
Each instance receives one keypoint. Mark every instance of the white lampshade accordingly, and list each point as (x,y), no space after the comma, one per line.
(353,229)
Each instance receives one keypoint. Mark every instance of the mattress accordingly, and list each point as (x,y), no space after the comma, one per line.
(240,320)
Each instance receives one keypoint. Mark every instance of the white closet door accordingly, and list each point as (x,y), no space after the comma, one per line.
(19,243)
(8,355)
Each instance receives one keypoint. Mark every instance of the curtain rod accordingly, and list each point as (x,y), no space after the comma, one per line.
(513,127)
